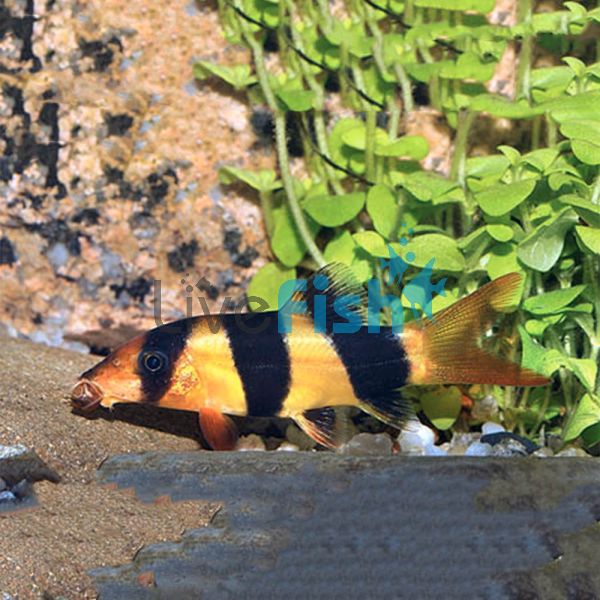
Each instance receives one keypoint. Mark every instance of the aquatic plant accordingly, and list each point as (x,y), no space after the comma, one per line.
(359,185)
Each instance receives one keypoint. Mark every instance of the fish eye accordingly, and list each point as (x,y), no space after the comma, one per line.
(153,361)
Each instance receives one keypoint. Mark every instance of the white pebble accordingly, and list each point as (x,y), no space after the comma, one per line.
(415,437)
(543,453)
(12,451)
(7,496)
(368,443)
(491,427)
(572,451)
(434,450)
(287,447)
(478,449)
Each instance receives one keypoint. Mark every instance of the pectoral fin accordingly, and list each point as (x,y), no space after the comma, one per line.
(324,425)
(218,429)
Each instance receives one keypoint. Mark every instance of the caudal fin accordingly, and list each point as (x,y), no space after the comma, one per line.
(446,348)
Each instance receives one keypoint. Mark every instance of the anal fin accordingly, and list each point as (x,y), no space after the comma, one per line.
(391,408)
(218,429)
(324,425)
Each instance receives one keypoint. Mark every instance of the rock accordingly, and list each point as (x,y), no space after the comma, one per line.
(250,443)
(479,449)
(509,447)
(3,485)
(490,427)
(572,451)
(485,409)
(17,463)
(543,453)
(288,447)
(415,437)
(460,442)
(434,450)
(509,444)
(368,444)
(7,497)
(147,579)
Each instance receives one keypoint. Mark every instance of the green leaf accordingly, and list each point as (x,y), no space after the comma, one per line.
(512,154)
(286,243)
(551,302)
(239,76)
(541,248)
(551,77)
(481,6)
(414,147)
(426,186)
(373,243)
(342,248)
(483,167)
(333,211)
(581,106)
(263,181)
(501,233)
(355,137)
(296,100)
(498,106)
(584,369)
(442,406)
(383,209)
(473,239)
(591,435)
(441,248)
(586,152)
(501,259)
(586,415)
(589,239)
(576,65)
(469,66)
(541,159)
(537,358)
(581,129)
(583,207)
(266,283)
(501,198)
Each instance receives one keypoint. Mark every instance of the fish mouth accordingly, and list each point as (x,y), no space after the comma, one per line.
(86,395)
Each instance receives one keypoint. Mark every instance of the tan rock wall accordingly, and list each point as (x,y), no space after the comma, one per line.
(108,166)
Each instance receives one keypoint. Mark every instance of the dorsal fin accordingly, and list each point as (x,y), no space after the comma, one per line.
(333,282)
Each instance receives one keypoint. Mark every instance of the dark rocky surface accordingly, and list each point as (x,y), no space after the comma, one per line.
(328,526)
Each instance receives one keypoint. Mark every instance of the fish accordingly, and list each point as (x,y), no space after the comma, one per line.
(244,363)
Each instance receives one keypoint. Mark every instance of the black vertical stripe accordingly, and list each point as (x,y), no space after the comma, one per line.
(262,359)
(170,340)
(376,363)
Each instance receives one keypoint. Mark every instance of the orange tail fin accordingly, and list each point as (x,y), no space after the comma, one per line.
(446,349)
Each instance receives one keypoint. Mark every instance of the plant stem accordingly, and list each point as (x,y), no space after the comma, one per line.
(405,88)
(457,168)
(288,184)
(525,56)
(281,144)
(370,144)
(551,131)
(319,121)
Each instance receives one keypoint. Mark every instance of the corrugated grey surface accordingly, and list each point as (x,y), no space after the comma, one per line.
(320,525)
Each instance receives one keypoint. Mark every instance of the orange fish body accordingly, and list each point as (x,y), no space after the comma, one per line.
(247,366)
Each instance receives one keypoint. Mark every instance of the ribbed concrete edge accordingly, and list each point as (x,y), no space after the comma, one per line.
(321,525)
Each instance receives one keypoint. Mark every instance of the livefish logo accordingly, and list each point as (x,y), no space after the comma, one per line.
(347,309)
(419,292)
